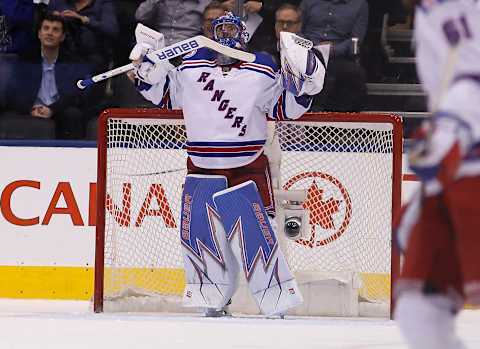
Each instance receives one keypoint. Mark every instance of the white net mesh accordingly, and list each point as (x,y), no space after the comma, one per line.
(344,168)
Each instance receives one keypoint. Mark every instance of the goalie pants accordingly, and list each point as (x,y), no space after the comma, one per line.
(257,171)
(443,250)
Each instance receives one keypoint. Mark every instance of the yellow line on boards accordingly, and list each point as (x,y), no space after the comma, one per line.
(165,281)
(46,282)
(375,286)
(77,282)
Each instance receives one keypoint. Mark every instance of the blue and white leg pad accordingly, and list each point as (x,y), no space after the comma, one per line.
(210,267)
(255,246)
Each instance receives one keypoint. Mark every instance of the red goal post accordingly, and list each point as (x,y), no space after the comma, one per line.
(348,165)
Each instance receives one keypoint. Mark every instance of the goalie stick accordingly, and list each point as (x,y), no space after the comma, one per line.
(172,51)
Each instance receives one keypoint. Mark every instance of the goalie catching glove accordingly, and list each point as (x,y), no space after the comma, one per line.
(303,68)
(146,70)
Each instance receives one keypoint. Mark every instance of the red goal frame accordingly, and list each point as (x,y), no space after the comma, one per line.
(146,113)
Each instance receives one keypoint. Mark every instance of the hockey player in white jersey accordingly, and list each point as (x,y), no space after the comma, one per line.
(227,202)
(438,232)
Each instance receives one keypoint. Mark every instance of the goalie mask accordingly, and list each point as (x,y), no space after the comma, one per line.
(229,30)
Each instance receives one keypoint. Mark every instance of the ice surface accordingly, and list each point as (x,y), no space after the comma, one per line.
(72,325)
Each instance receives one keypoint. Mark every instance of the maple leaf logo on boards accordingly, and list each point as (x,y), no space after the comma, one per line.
(324,213)
(321,212)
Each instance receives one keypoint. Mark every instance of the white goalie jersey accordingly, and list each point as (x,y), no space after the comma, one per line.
(226,113)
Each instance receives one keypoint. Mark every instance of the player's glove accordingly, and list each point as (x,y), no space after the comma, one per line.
(303,68)
(438,149)
(146,70)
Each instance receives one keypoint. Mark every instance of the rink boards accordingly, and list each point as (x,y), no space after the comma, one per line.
(47,223)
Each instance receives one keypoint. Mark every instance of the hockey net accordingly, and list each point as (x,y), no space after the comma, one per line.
(339,173)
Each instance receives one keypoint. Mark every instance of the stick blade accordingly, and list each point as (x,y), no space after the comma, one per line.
(83,84)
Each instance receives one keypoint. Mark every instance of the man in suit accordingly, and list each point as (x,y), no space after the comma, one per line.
(342,24)
(43,87)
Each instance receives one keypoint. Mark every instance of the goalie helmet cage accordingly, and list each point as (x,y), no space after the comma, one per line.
(347,165)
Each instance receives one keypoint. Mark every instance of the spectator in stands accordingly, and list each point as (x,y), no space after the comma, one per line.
(335,21)
(343,24)
(91,28)
(288,18)
(176,19)
(42,89)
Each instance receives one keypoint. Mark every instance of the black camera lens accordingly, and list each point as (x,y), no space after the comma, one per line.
(293,226)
